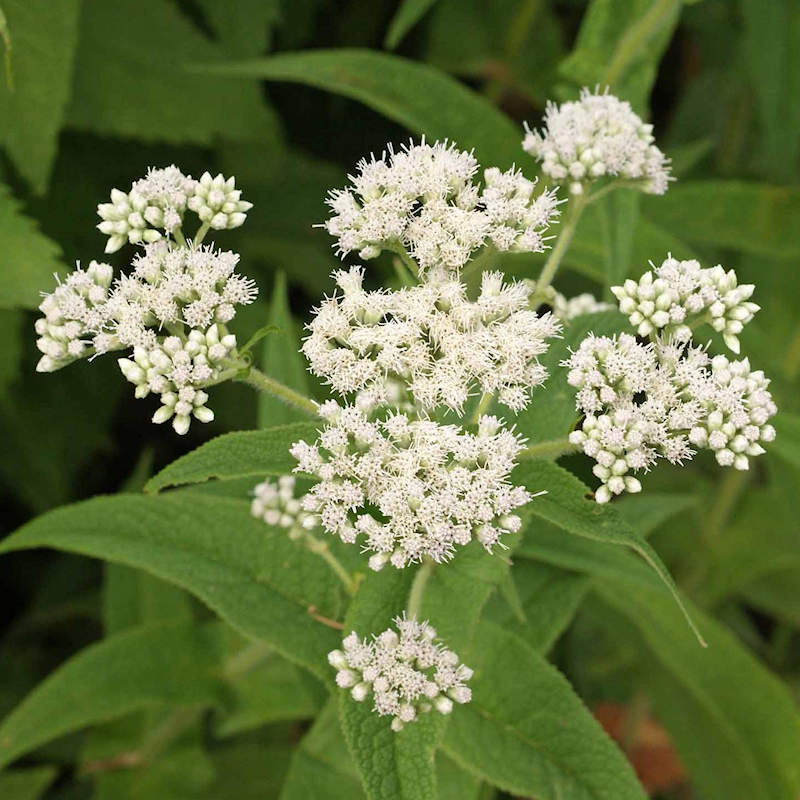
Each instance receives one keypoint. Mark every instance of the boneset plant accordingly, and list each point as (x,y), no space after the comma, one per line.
(416,448)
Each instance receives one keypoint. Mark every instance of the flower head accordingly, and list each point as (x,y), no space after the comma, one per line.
(411,488)
(422,199)
(407,671)
(597,135)
(218,202)
(275,503)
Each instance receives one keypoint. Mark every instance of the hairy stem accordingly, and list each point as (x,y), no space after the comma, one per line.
(201,234)
(480,409)
(264,383)
(574,209)
(321,548)
(550,449)
(418,587)
(408,262)
(178,236)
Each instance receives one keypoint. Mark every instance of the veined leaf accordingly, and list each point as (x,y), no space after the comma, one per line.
(565,506)
(29,257)
(405,18)
(417,96)
(168,663)
(253,576)
(527,732)
(237,455)
(32,105)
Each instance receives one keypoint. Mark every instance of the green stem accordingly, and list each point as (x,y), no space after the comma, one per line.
(264,383)
(201,234)
(403,273)
(550,449)
(321,548)
(574,209)
(730,488)
(177,234)
(405,258)
(593,197)
(481,408)
(418,588)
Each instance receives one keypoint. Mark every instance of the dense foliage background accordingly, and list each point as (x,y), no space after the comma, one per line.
(93,92)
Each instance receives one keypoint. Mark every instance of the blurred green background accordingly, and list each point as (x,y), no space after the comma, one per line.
(93,92)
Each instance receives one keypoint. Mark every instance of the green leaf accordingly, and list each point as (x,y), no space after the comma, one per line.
(26,784)
(236,455)
(735,725)
(252,575)
(131,79)
(621,209)
(11,337)
(44,37)
(261,333)
(527,732)
(29,257)
(787,441)
(550,597)
(244,27)
(417,96)
(751,217)
(565,505)
(168,663)
(282,360)
(405,18)
(623,56)
(321,767)
(551,413)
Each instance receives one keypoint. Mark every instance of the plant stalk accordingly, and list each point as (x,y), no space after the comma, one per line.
(418,587)
(258,380)
(574,210)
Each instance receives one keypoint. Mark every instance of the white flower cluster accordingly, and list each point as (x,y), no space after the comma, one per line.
(158,202)
(276,504)
(172,307)
(71,313)
(566,309)
(408,673)
(670,298)
(643,402)
(431,339)
(423,200)
(411,488)
(597,135)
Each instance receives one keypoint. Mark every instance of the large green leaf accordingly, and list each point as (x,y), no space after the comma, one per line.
(752,217)
(282,360)
(34,96)
(26,784)
(417,96)
(566,506)
(250,574)
(620,44)
(736,726)
(527,732)
(236,455)
(168,663)
(131,79)
(29,257)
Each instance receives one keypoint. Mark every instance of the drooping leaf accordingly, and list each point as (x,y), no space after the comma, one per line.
(131,79)
(417,96)
(566,506)
(250,574)
(32,103)
(236,455)
(167,663)
(281,359)
(405,18)
(528,733)
(29,257)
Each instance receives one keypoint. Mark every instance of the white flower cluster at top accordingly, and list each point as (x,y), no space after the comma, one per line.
(159,201)
(423,200)
(276,504)
(407,673)
(411,488)
(679,294)
(595,136)
(661,399)
(432,340)
(171,309)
